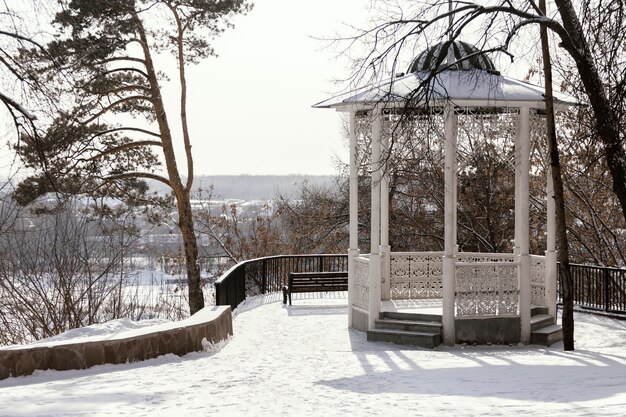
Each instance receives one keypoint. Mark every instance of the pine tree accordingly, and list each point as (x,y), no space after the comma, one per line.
(108,53)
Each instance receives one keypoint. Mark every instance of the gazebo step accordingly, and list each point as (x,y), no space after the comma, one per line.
(547,335)
(540,321)
(410,325)
(403,337)
(395,315)
(536,310)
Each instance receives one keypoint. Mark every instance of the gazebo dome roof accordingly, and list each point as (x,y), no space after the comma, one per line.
(471,81)
(466,58)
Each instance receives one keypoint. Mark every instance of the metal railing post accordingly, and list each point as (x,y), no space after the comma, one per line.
(218,293)
(607,293)
(242,286)
(264,277)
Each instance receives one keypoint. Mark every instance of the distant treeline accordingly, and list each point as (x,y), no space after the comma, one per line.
(254,187)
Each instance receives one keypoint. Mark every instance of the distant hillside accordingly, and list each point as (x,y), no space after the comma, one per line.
(254,187)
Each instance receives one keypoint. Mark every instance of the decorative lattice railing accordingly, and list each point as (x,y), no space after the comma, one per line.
(487,289)
(477,257)
(537,280)
(487,284)
(416,275)
(361,282)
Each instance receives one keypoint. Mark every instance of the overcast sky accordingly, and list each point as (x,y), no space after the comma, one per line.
(251,107)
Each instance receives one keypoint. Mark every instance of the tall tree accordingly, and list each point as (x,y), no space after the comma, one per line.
(557,181)
(109,51)
(606,96)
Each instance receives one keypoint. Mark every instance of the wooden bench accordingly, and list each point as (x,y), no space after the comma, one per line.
(315,282)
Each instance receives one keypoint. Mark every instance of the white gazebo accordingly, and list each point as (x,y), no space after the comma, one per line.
(486,297)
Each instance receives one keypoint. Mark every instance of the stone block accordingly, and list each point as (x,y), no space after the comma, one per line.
(194,338)
(115,351)
(24,365)
(94,354)
(179,341)
(8,358)
(41,357)
(5,372)
(66,357)
(151,346)
(360,320)
(134,349)
(488,330)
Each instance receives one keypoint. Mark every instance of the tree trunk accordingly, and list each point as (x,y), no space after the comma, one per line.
(606,119)
(185,222)
(557,180)
(185,215)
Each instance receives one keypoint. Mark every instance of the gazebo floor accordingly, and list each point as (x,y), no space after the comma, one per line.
(414,306)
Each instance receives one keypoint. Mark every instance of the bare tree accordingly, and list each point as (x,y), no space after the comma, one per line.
(241,234)
(316,220)
(495,28)
(58,271)
(557,181)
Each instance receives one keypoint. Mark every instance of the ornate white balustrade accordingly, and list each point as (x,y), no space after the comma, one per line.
(537,280)
(416,275)
(487,289)
(361,282)
(487,284)
(477,257)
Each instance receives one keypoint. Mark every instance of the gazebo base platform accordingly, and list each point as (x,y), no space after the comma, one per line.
(418,323)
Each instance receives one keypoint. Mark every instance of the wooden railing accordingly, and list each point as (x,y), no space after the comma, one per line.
(270,274)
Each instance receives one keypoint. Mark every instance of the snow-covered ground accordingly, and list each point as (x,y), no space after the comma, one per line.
(304,361)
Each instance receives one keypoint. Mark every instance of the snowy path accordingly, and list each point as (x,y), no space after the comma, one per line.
(303,360)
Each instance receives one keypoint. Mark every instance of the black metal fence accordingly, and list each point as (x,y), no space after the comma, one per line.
(264,275)
(595,287)
(598,288)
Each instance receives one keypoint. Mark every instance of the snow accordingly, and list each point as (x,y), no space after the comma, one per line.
(462,87)
(122,329)
(303,360)
(109,330)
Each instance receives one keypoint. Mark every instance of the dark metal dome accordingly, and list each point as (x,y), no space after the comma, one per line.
(467,58)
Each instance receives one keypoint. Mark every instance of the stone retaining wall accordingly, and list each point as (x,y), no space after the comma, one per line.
(179,341)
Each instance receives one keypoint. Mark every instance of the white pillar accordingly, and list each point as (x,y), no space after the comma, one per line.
(353,251)
(385,250)
(518,174)
(375,262)
(550,261)
(522,220)
(449,258)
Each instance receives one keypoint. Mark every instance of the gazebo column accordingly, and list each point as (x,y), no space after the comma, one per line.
(550,261)
(385,249)
(375,261)
(522,224)
(449,257)
(353,251)
(516,209)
